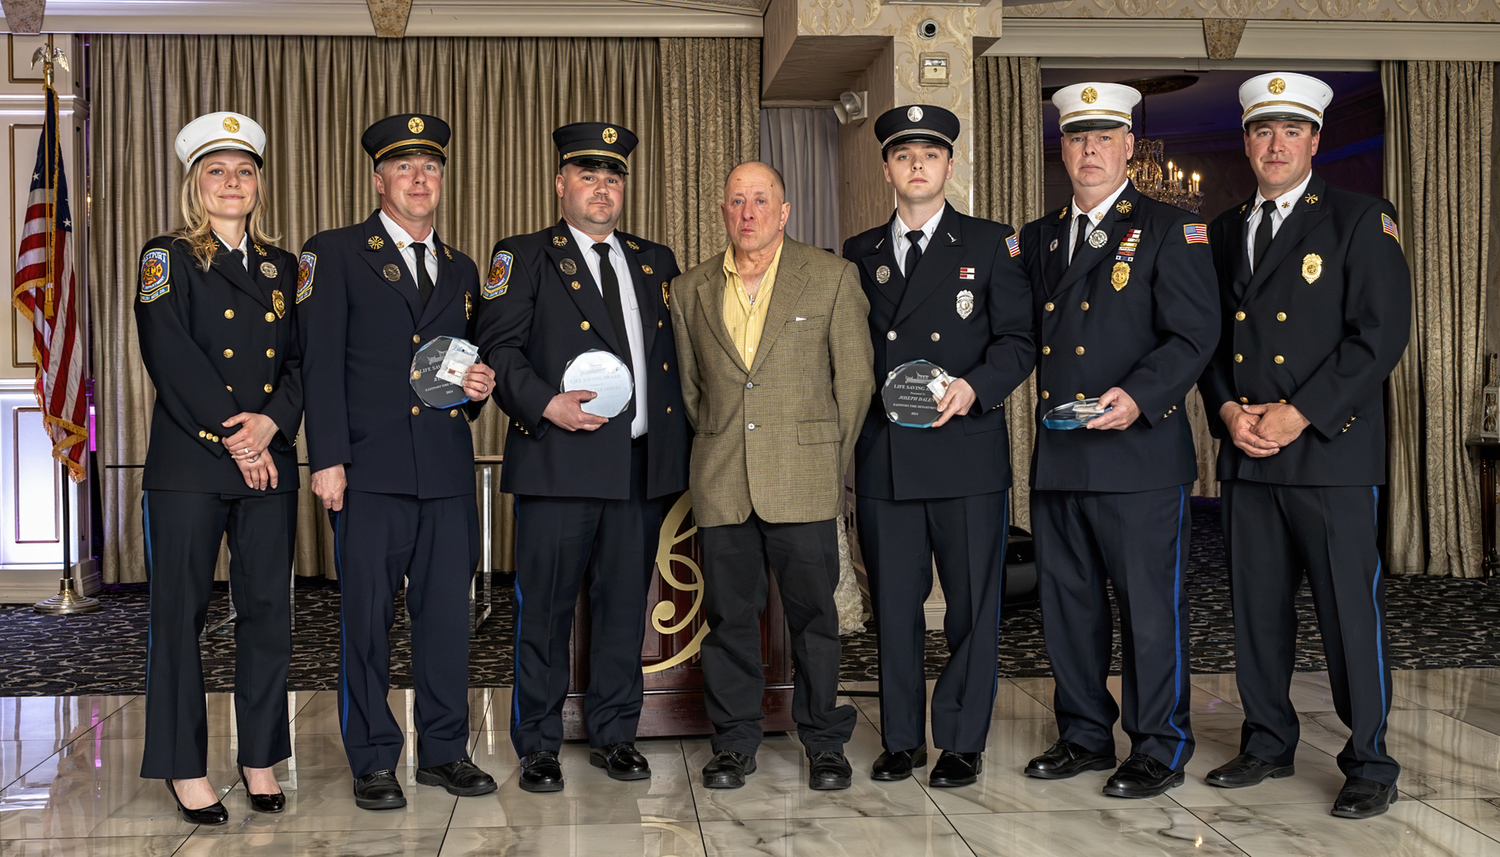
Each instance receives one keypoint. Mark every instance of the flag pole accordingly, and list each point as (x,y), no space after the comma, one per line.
(67,601)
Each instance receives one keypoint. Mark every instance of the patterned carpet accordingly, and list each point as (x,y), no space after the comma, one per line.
(1433,623)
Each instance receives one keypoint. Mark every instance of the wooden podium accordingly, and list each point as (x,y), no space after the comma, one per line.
(675,629)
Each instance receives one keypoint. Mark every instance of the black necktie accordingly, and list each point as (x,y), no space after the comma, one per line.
(239,258)
(913,251)
(1263,233)
(611,286)
(1079,231)
(424,280)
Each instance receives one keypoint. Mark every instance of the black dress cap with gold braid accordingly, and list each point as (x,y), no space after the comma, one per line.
(407,134)
(596,145)
(916,123)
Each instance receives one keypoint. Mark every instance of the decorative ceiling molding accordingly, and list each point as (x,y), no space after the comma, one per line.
(24,17)
(389,17)
(1221,36)
(739,7)
(1474,11)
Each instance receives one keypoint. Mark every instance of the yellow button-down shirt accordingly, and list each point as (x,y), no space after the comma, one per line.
(745,318)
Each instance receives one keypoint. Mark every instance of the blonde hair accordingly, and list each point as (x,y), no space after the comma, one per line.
(196,230)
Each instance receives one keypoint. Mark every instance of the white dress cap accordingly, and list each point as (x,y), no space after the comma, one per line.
(1092,106)
(1284,95)
(213,132)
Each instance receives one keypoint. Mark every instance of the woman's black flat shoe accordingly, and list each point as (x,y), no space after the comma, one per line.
(212,814)
(263,803)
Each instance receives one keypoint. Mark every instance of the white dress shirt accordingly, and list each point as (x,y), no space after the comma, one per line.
(1284,204)
(404,241)
(898,235)
(1095,215)
(632,311)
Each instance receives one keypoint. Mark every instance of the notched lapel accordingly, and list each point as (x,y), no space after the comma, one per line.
(233,271)
(380,251)
(641,282)
(884,254)
(1304,217)
(944,251)
(447,286)
(711,304)
(587,296)
(791,279)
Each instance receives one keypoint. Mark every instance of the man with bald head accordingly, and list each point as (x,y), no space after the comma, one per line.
(776,377)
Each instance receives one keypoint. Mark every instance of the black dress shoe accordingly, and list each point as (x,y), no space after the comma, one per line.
(727,770)
(829,770)
(540,772)
(459,777)
(1362,798)
(897,766)
(275,802)
(214,813)
(621,761)
(1142,776)
(378,791)
(956,769)
(1245,770)
(1066,759)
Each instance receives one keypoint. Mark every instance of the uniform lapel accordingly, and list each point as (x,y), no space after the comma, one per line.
(380,252)
(711,304)
(1054,238)
(944,250)
(268,286)
(884,254)
(1121,215)
(636,262)
(447,286)
(1236,242)
(1306,213)
(791,278)
(234,271)
(564,254)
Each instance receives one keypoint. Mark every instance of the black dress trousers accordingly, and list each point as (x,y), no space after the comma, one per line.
(805,559)
(966,535)
(379,539)
(560,541)
(183,531)
(1275,536)
(1138,542)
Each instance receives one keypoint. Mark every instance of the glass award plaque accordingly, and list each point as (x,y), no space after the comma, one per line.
(912,391)
(606,376)
(1073,414)
(437,371)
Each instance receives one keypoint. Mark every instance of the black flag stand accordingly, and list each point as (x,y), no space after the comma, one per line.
(67,601)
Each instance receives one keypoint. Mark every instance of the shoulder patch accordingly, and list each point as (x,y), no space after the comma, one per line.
(156,266)
(1195,233)
(1387,225)
(305,268)
(499,279)
(1013,244)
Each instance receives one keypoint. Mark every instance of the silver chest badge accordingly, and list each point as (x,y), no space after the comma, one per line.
(1052,248)
(883,274)
(965,303)
(1097,238)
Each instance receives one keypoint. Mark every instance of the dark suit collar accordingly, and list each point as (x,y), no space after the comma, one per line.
(235,271)
(1120,218)
(380,253)
(564,253)
(940,259)
(883,255)
(1306,213)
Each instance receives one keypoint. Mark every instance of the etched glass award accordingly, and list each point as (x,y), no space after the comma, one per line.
(912,391)
(605,375)
(1074,414)
(437,371)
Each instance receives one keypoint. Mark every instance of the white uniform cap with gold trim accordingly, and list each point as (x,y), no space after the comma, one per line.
(1092,106)
(213,132)
(1284,95)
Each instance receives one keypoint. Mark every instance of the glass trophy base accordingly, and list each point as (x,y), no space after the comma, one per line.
(911,393)
(603,374)
(437,371)
(1074,414)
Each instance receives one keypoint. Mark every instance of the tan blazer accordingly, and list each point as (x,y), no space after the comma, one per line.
(774,437)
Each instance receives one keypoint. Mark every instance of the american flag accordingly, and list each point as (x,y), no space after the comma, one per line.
(1195,233)
(1013,244)
(46,294)
(1388,226)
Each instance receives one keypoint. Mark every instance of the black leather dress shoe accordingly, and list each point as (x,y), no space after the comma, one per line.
(621,761)
(378,791)
(275,802)
(829,771)
(214,813)
(1362,798)
(1245,770)
(540,772)
(956,769)
(1066,759)
(897,766)
(727,770)
(1142,776)
(459,777)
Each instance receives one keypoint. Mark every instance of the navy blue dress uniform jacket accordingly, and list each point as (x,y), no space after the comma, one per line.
(360,330)
(1148,328)
(534,318)
(1320,325)
(968,310)
(217,343)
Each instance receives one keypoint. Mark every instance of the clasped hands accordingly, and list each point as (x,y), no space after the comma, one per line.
(1261,431)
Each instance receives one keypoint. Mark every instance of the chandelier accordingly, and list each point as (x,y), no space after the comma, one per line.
(1168,183)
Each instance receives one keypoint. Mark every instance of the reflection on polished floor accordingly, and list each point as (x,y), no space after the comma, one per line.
(68,770)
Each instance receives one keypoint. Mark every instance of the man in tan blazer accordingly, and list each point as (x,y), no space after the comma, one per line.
(776,377)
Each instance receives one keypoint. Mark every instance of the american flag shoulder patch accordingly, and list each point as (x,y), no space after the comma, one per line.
(1195,233)
(1388,226)
(1013,244)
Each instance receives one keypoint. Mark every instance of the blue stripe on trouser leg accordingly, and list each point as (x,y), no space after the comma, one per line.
(1177,628)
(1378,741)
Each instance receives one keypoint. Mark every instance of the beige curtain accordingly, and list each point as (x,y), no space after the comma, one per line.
(314,96)
(803,143)
(1439,173)
(710,122)
(1008,188)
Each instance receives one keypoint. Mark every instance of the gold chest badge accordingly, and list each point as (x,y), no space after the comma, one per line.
(1312,267)
(883,274)
(1120,275)
(268,270)
(278,303)
(468,306)
(391,272)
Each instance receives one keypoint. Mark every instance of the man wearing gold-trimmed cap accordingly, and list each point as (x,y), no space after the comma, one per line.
(591,492)
(396,476)
(1316,299)
(1123,289)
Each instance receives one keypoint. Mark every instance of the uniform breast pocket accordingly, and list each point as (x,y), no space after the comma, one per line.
(800,325)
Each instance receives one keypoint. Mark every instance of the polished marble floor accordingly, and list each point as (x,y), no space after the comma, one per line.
(69,786)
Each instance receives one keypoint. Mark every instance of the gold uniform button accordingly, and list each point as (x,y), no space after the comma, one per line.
(669,409)
(270,352)
(936,336)
(1046,349)
(229,313)
(1046,395)
(658,322)
(583,325)
(453,413)
(268,388)
(229,352)
(271,316)
(415,410)
(1283,401)
(1244,401)
(1239,316)
(1084,306)
(214,438)
(664,368)
(1239,358)
(203,434)
(1281,316)
(1078,350)
(1079,396)
(1279,359)
(1047,306)
(415,338)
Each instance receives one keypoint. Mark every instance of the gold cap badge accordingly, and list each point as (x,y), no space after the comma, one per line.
(1089,95)
(231,124)
(610,135)
(1276,86)
(415,125)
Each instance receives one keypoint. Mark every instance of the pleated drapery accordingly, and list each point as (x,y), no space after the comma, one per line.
(803,143)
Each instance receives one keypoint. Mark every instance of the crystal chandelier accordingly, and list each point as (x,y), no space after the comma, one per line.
(1167,184)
